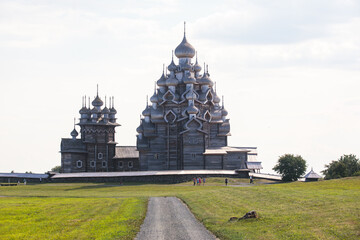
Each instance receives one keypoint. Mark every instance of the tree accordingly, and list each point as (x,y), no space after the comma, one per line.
(56,169)
(290,167)
(345,166)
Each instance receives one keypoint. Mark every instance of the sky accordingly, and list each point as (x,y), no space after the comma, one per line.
(289,71)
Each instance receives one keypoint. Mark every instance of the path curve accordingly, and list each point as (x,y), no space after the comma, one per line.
(170,218)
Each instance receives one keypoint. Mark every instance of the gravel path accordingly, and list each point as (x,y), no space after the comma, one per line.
(169,218)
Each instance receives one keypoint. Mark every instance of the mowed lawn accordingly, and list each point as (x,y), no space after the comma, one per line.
(319,210)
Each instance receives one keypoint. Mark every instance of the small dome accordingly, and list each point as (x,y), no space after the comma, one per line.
(162,81)
(216,99)
(224,112)
(84,110)
(154,98)
(146,112)
(74,133)
(140,129)
(172,81)
(192,109)
(205,80)
(172,66)
(185,49)
(97,102)
(197,67)
(105,110)
(113,110)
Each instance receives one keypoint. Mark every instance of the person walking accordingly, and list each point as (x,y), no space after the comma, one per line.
(203,181)
(194,181)
(199,181)
(251,179)
(226,181)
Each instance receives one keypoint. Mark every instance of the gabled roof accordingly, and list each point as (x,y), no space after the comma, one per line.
(312,174)
(126,152)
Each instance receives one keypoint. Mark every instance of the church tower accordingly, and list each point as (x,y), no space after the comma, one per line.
(185,127)
(95,150)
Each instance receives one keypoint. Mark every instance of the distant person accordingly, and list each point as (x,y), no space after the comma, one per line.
(194,180)
(199,181)
(24,181)
(203,181)
(40,180)
(18,182)
(226,181)
(251,179)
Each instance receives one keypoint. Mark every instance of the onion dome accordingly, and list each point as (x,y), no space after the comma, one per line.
(197,67)
(216,98)
(192,109)
(140,129)
(105,110)
(191,95)
(113,110)
(205,80)
(172,66)
(74,133)
(154,98)
(224,112)
(97,102)
(146,112)
(84,110)
(162,81)
(172,81)
(185,49)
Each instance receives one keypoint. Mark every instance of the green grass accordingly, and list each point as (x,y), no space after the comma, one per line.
(318,210)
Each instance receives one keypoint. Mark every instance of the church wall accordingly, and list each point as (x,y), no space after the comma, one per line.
(213,162)
(235,160)
(69,162)
(193,147)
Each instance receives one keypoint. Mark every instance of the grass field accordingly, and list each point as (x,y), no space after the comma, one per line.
(319,210)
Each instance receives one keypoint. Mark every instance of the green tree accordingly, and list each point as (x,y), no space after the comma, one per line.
(345,166)
(290,167)
(56,169)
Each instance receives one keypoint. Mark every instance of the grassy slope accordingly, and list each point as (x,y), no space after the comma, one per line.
(320,210)
(70,218)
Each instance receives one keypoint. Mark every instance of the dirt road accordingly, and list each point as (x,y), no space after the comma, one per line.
(169,218)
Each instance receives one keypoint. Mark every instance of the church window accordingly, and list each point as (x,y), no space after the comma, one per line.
(92,164)
(100,155)
(79,164)
(130,164)
(104,163)
(121,164)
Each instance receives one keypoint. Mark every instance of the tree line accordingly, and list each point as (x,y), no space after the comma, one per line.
(292,167)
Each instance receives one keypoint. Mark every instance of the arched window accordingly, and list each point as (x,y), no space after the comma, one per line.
(92,164)
(79,164)
(104,164)
(130,164)
(121,164)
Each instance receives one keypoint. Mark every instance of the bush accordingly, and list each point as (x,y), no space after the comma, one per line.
(290,167)
(346,166)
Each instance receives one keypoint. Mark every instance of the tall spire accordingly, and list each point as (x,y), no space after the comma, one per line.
(74,122)
(172,55)
(97,89)
(184,28)
(105,100)
(85,101)
(147,100)
(223,101)
(89,102)
(113,102)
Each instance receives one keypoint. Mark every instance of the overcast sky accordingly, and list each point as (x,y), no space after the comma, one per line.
(289,71)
